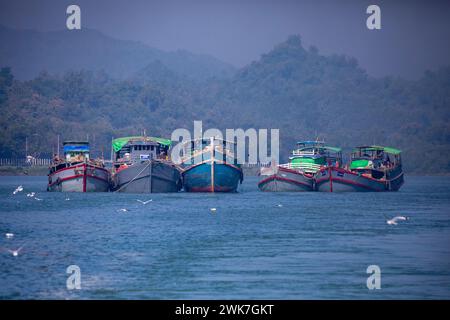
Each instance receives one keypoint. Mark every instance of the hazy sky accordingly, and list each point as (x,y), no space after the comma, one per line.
(415,35)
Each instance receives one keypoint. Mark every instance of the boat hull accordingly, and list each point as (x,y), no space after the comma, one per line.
(396,179)
(286,180)
(197,178)
(332,179)
(79,178)
(148,177)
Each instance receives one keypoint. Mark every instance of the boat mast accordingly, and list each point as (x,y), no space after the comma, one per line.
(112,139)
(57,147)
(212,164)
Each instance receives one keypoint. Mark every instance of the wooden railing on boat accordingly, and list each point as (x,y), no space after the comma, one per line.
(306,167)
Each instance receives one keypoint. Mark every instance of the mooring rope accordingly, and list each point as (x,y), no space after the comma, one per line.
(126,184)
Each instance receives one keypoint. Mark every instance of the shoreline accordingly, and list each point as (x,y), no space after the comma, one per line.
(23,171)
(43,171)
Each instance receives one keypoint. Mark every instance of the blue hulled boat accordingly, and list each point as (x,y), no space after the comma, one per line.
(210,166)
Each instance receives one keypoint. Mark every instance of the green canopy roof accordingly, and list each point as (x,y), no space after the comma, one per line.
(359,164)
(392,150)
(385,149)
(120,142)
(334,149)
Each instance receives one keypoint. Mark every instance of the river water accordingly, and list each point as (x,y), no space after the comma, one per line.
(254,246)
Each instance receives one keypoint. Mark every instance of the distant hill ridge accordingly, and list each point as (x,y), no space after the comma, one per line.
(29,52)
(297,90)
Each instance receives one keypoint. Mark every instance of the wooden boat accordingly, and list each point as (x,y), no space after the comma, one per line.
(210,166)
(77,172)
(372,168)
(142,165)
(298,173)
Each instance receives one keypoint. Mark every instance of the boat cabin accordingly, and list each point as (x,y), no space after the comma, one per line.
(375,160)
(138,150)
(76,151)
(375,157)
(198,150)
(131,150)
(310,156)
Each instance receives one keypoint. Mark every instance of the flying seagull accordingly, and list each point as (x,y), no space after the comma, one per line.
(15,253)
(18,189)
(394,221)
(144,202)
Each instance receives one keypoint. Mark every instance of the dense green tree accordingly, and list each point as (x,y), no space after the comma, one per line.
(304,94)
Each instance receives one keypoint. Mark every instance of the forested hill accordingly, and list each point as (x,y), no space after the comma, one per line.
(308,95)
(296,89)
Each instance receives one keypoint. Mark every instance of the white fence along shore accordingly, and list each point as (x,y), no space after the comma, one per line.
(22,162)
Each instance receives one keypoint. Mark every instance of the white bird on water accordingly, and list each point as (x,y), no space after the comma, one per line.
(394,221)
(31,194)
(15,253)
(213,209)
(279,205)
(144,202)
(18,189)
(122,210)
(9,235)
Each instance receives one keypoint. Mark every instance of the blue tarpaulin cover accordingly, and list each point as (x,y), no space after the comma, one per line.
(74,148)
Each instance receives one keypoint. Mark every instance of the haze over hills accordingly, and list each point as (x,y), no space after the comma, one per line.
(29,52)
(308,95)
(296,89)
